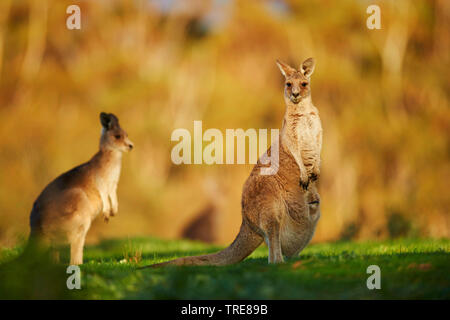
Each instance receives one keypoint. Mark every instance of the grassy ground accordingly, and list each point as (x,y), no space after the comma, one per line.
(410,269)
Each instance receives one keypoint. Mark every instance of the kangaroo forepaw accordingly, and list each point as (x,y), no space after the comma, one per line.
(304,179)
(304,184)
(313,176)
(315,172)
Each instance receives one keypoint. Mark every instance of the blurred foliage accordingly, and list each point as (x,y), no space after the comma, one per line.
(31,274)
(160,65)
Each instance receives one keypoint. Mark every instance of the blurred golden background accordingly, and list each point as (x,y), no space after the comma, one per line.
(159,65)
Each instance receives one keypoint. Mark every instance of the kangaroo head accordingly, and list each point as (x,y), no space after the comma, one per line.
(297,84)
(113,136)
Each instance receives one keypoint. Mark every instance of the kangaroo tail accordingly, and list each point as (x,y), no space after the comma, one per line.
(245,243)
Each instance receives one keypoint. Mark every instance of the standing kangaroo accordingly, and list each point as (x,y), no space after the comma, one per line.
(64,210)
(281,209)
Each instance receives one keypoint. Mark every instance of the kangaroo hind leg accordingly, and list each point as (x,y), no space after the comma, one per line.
(272,228)
(77,245)
(274,244)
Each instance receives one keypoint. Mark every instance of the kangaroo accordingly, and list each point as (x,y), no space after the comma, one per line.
(301,132)
(281,209)
(64,210)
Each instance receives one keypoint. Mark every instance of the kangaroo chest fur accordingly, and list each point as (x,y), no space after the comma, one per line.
(107,184)
(106,181)
(300,133)
(109,181)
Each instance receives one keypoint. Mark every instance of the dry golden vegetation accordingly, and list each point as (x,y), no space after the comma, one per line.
(382,95)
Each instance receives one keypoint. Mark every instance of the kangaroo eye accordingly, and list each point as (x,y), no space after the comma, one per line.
(117,136)
(288,84)
(304,84)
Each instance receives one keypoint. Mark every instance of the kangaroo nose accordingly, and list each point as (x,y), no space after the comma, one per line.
(131,146)
(295,94)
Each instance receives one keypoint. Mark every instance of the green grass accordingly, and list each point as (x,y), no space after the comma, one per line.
(410,269)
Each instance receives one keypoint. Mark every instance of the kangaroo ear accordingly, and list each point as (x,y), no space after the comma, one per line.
(307,67)
(285,69)
(106,120)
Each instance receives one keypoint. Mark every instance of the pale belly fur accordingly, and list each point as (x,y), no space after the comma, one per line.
(297,231)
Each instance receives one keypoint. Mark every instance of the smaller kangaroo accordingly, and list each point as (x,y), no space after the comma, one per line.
(64,210)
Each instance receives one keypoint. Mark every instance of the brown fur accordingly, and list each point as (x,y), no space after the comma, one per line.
(64,210)
(275,209)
